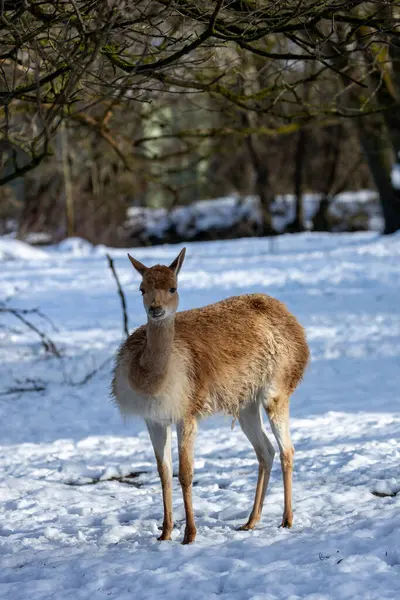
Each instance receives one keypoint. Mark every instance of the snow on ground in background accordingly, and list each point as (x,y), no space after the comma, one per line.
(70,528)
(226,212)
(11,249)
(395,176)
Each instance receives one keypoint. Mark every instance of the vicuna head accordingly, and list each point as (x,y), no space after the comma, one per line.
(159,287)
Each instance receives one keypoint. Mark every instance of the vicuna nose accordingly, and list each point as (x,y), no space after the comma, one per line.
(156,311)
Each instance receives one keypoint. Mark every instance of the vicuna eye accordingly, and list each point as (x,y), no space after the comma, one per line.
(172,290)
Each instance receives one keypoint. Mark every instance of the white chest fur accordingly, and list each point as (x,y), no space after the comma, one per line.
(171,402)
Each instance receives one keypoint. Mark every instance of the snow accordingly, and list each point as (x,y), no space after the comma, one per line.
(80,498)
(11,249)
(226,212)
(395,176)
(197,217)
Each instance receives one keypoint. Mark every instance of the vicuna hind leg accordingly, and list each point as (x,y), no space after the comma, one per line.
(187,430)
(251,422)
(278,413)
(160,436)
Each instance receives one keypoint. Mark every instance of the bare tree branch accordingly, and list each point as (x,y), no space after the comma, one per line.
(121,295)
(19,314)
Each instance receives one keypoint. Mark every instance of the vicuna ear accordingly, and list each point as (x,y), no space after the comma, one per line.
(176,265)
(140,268)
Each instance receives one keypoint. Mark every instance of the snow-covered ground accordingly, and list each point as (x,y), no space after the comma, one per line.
(360,208)
(70,528)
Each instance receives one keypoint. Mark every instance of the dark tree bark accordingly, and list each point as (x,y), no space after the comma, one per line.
(298,222)
(321,221)
(262,185)
(378,152)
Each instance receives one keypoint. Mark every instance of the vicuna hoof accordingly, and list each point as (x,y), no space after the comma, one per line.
(189,537)
(287,521)
(247,526)
(165,537)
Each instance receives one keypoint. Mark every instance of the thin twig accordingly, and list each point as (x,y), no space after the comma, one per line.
(47,343)
(92,373)
(385,494)
(31,311)
(129,479)
(79,17)
(121,294)
(21,390)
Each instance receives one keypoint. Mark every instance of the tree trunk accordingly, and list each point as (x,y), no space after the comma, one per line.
(262,189)
(69,200)
(41,211)
(380,133)
(375,139)
(298,222)
(300,162)
(378,152)
(387,80)
(321,220)
(262,185)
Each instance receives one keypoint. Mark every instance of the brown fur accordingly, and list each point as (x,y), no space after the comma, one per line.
(235,347)
(168,523)
(218,358)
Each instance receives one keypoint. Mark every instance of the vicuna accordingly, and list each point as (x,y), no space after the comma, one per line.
(237,356)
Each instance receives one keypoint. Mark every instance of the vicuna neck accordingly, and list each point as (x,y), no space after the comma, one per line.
(158,346)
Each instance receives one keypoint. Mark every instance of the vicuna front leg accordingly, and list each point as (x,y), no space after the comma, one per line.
(187,430)
(251,422)
(278,414)
(160,436)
